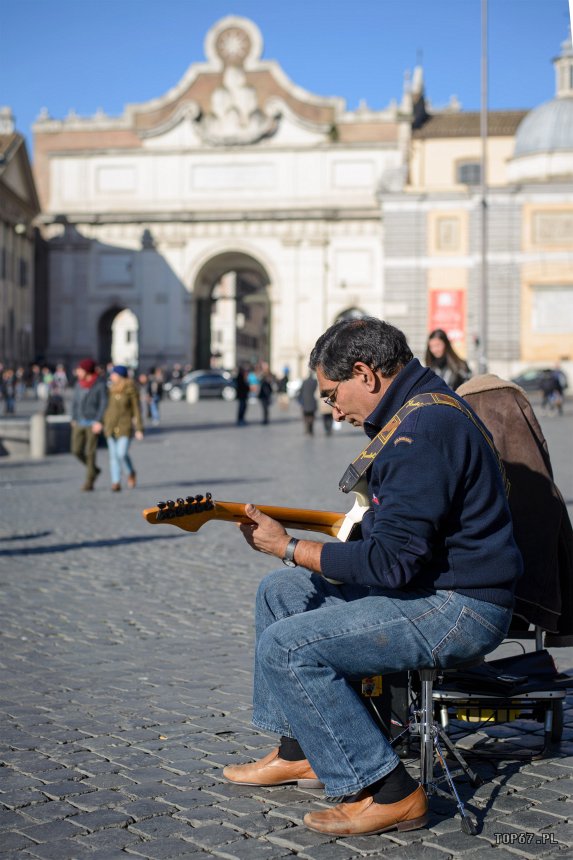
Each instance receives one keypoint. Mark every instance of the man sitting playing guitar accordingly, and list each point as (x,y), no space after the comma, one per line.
(429,584)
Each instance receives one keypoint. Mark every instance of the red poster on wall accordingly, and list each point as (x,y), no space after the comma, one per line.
(448,312)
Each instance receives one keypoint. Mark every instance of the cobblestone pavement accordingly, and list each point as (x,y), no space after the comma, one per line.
(126,653)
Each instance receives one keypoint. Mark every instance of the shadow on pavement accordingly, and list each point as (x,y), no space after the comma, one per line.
(90,544)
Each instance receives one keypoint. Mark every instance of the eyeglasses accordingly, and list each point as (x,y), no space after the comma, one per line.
(331,399)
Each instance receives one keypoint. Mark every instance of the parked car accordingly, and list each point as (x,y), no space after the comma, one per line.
(210,383)
(530,378)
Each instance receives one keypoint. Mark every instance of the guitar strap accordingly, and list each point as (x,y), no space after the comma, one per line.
(360,465)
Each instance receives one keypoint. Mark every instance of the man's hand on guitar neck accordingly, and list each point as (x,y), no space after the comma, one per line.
(267,535)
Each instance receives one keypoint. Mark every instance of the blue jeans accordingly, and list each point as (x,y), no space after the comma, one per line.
(119,457)
(154,408)
(312,636)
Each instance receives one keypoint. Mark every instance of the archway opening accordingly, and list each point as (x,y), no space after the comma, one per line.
(118,337)
(232,313)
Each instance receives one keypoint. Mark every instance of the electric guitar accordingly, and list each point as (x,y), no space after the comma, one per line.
(194,511)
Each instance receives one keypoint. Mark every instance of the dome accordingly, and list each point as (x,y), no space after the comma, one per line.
(547,128)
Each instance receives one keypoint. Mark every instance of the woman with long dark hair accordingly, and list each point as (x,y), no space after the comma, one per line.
(442,358)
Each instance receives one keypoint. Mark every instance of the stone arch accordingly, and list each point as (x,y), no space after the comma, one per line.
(119,344)
(232,309)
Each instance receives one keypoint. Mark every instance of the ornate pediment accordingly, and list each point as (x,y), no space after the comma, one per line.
(236,116)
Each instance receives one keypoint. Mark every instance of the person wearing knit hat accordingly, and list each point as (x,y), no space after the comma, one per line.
(122,420)
(88,405)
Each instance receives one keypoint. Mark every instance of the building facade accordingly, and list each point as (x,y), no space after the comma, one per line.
(235,170)
(18,208)
(433,249)
(238,215)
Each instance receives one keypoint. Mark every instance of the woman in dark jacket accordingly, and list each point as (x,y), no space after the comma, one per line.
(444,360)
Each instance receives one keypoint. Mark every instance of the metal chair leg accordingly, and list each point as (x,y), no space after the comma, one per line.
(430,735)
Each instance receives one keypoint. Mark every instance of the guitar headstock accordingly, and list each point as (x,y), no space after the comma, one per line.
(189,513)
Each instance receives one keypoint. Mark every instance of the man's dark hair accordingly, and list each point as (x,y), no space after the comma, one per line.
(376,343)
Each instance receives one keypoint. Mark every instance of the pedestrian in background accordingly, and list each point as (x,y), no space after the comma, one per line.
(154,393)
(8,391)
(552,391)
(327,417)
(266,389)
(121,419)
(282,390)
(243,390)
(307,400)
(444,360)
(88,406)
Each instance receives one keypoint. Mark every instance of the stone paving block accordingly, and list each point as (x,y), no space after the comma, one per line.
(250,849)
(565,761)
(21,799)
(212,836)
(93,800)
(99,820)
(161,825)
(202,815)
(68,788)
(16,841)
(257,824)
(52,830)
(456,842)
(297,838)
(532,820)
(540,794)
(163,849)
(113,839)
(60,849)
(330,851)
(422,853)
(563,833)
(12,820)
(490,854)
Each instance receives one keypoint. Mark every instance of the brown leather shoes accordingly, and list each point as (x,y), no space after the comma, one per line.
(272,770)
(364,816)
(131,480)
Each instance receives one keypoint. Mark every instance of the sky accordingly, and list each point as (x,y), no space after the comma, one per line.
(90,54)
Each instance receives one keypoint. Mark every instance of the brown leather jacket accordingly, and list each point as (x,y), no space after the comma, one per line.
(123,413)
(541,524)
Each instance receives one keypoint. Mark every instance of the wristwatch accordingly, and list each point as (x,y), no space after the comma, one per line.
(288,557)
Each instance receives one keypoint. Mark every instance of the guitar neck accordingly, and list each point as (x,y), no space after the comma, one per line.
(325,522)
(190,516)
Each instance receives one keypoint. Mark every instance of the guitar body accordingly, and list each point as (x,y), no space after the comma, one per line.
(194,511)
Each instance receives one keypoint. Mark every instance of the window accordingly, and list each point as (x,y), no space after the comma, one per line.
(552,311)
(469,172)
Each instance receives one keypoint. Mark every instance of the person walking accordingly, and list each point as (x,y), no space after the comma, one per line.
(265,395)
(154,393)
(88,406)
(121,419)
(442,358)
(8,391)
(307,400)
(243,390)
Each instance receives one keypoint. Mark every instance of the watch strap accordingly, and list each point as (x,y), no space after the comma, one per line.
(288,557)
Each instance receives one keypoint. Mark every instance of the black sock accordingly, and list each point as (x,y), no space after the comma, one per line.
(395,786)
(290,750)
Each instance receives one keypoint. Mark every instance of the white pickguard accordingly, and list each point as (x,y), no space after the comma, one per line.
(354,516)
(356,512)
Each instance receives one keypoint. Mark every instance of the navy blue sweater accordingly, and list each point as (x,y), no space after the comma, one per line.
(439,516)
